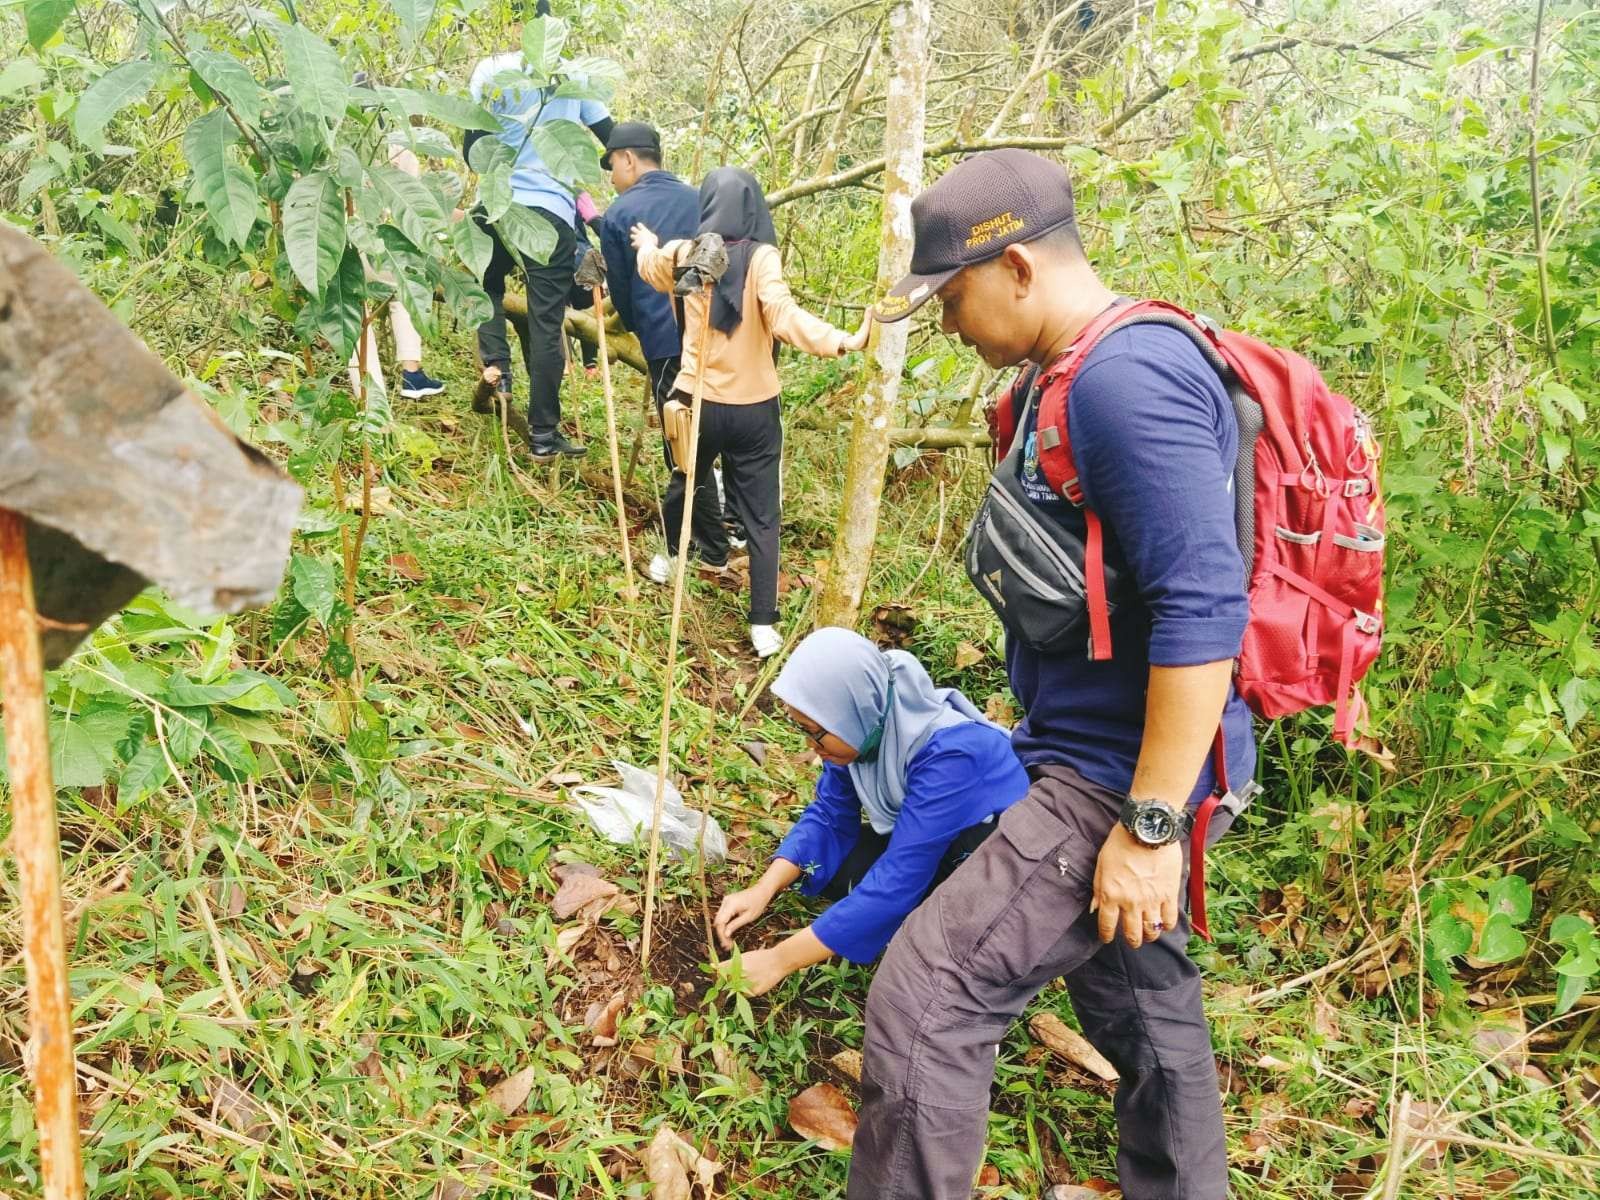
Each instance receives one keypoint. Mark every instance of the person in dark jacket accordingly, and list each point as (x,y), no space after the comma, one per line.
(648,194)
(913,778)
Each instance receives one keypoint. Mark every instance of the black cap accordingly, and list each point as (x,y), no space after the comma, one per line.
(980,206)
(631,135)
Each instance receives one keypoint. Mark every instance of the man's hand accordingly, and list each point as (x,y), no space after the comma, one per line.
(737,910)
(858,339)
(1136,887)
(763,970)
(643,238)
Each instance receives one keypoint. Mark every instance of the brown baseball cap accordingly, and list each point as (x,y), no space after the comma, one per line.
(981,205)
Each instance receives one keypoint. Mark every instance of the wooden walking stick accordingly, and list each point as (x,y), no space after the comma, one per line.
(113,475)
(592,275)
(707,261)
(34,845)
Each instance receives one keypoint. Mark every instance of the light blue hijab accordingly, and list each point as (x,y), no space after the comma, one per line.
(851,689)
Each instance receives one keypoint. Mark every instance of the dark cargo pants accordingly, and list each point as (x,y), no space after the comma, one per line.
(966,963)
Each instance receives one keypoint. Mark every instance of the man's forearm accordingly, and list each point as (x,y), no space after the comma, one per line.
(1182,710)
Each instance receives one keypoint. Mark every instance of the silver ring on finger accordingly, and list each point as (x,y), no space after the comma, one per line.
(1155,926)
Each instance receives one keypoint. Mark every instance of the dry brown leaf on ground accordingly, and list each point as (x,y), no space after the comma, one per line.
(728,1063)
(1071,1045)
(239,1110)
(1502,1038)
(1424,1122)
(998,708)
(989,1176)
(673,1166)
(511,1093)
(474,1181)
(566,942)
(1091,1189)
(583,893)
(602,1021)
(822,1114)
(967,655)
(757,752)
(847,1063)
(406,566)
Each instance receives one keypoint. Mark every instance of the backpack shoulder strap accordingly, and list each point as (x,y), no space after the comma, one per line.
(1003,417)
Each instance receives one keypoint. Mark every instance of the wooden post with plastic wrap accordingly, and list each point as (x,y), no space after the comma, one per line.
(113,476)
(873,422)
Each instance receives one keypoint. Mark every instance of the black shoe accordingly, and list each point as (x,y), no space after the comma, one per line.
(548,449)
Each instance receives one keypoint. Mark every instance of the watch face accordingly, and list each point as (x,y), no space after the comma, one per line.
(1154,825)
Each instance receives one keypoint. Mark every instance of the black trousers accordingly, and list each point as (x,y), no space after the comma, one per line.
(869,848)
(549,285)
(749,439)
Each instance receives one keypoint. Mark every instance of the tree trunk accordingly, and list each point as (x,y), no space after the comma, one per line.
(903,140)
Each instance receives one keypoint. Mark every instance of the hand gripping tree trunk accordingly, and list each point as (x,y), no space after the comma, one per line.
(874,414)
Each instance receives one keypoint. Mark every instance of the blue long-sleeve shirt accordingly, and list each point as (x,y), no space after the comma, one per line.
(960,776)
(670,208)
(1154,437)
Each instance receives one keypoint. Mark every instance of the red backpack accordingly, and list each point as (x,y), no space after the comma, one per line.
(1309,514)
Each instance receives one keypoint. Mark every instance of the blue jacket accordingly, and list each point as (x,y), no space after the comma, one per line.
(671,208)
(960,776)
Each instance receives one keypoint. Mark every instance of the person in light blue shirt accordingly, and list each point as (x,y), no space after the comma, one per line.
(913,779)
(499,84)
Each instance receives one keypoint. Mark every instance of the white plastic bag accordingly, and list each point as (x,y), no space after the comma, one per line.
(622,815)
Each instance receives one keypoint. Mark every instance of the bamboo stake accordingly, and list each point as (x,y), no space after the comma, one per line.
(632,592)
(35,846)
(678,576)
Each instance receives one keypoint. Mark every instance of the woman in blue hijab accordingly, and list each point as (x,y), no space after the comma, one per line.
(913,777)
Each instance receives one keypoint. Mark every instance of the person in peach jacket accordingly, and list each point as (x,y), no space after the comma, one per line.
(750,309)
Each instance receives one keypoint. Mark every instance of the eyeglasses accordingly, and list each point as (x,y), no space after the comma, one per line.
(814,735)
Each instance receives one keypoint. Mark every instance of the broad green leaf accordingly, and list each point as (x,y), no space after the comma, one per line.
(457,111)
(317,78)
(1501,941)
(227,190)
(406,267)
(542,42)
(527,233)
(146,771)
(569,151)
(244,689)
(493,160)
(109,95)
(466,301)
(1512,896)
(472,245)
(231,756)
(411,204)
(415,15)
(1448,936)
(185,730)
(312,582)
(43,18)
(338,315)
(20,75)
(1568,927)
(601,74)
(313,230)
(1569,990)
(227,77)
(75,758)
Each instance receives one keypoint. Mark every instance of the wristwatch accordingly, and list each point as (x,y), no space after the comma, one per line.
(1154,822)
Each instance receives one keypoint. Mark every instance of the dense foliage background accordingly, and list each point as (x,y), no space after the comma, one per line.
(310,851)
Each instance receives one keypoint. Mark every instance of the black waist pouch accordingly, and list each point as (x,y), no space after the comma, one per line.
(1029,566)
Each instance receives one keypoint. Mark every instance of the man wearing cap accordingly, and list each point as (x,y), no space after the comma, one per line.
(549,282)
(656,198)
(1074,887)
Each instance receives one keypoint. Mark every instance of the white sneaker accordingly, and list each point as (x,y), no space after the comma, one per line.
(661,569)
(766,640)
